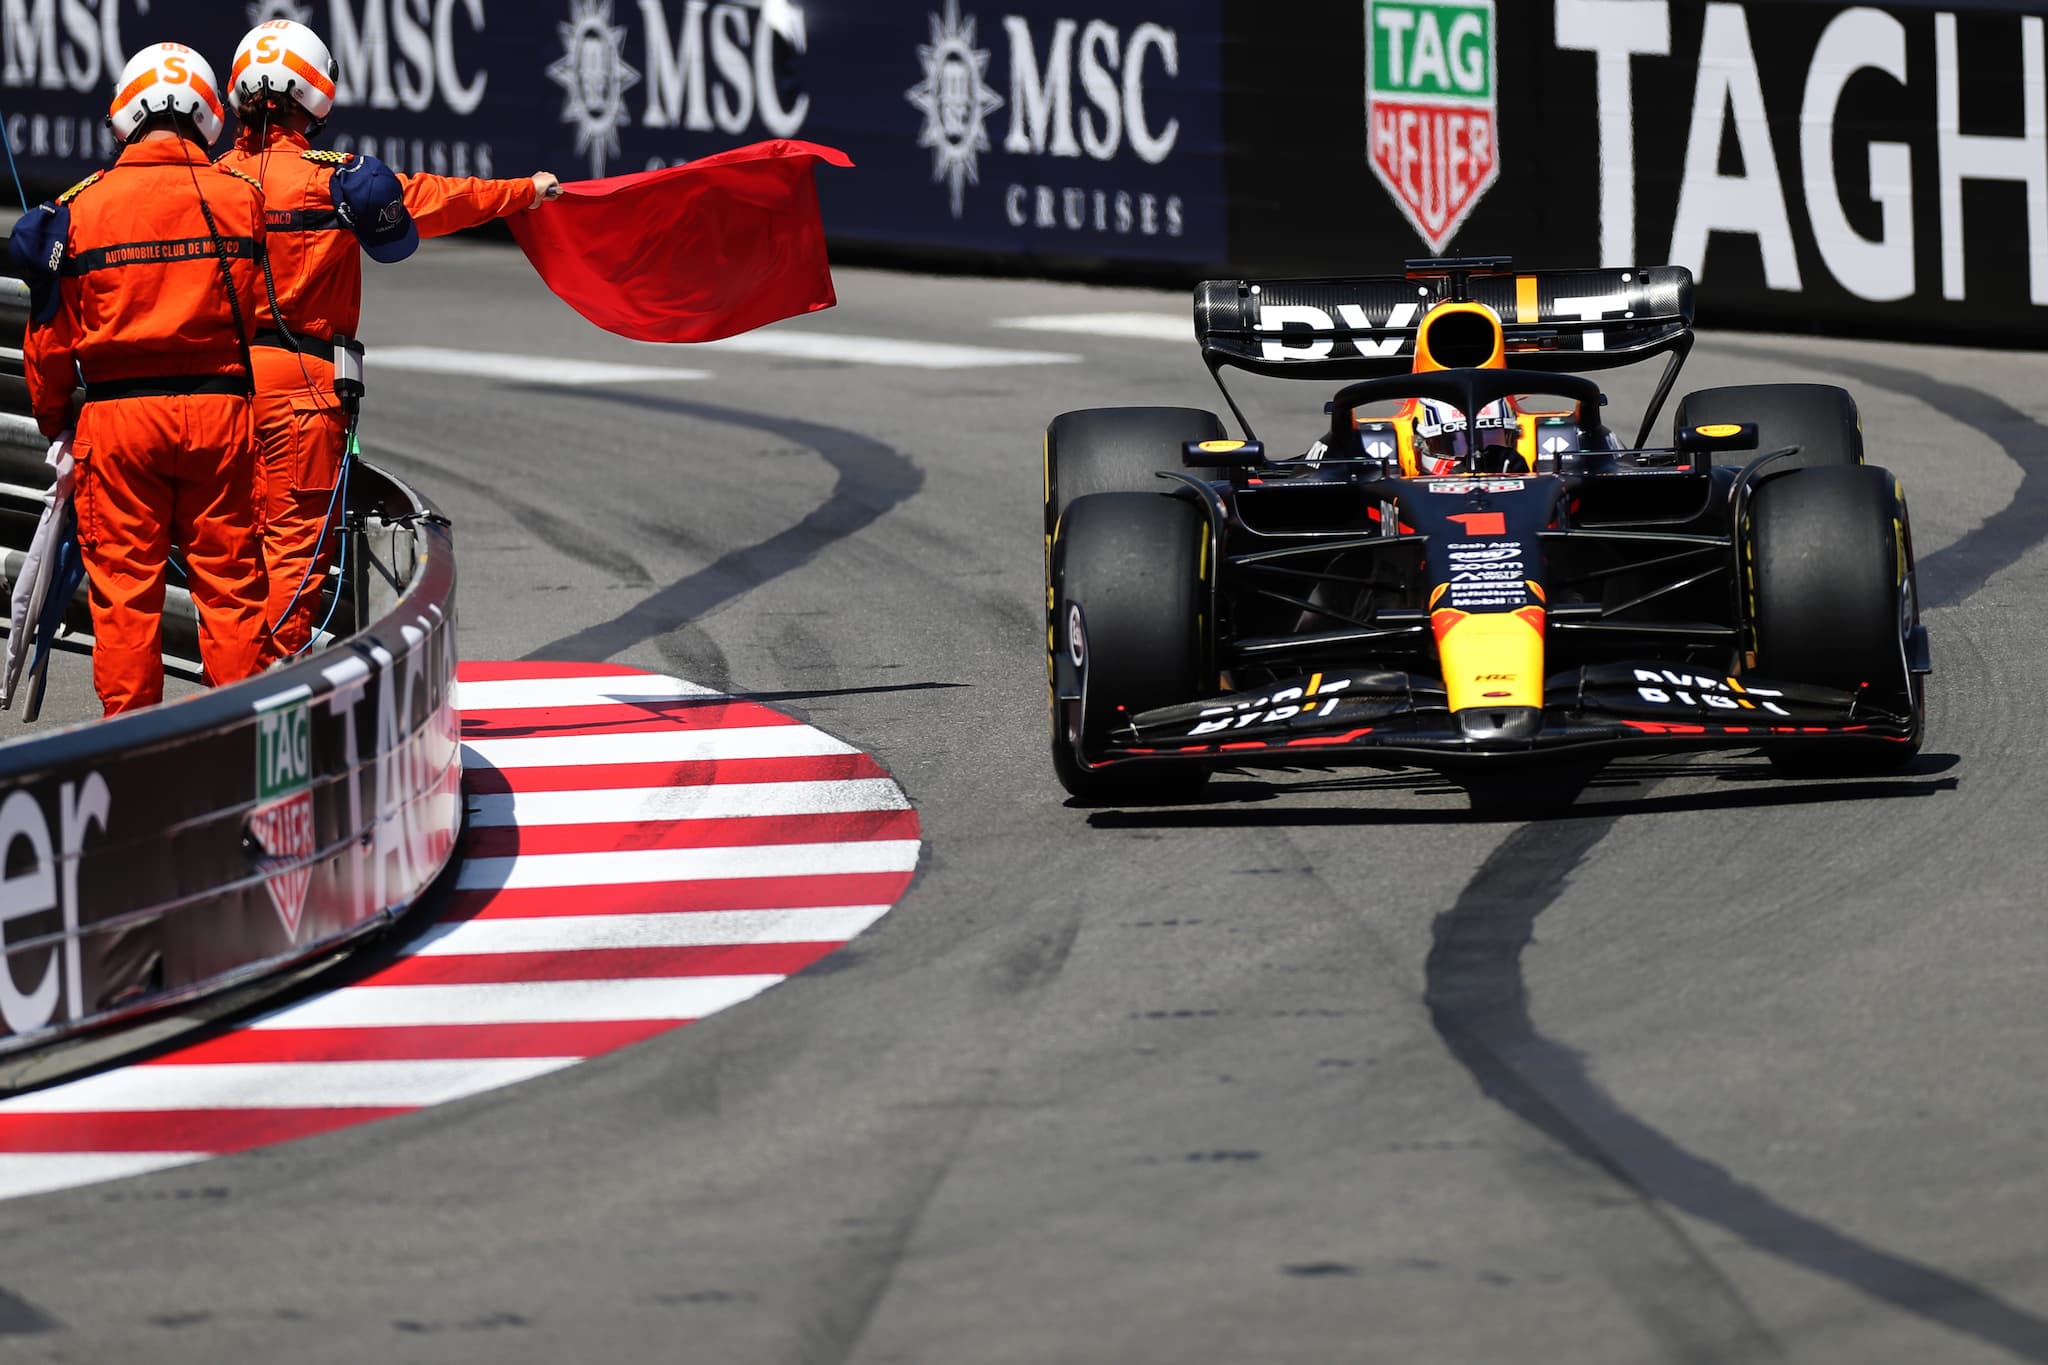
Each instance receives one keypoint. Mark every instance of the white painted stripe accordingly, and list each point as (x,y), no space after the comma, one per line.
(890,352)
(520,1002)
(713,801)
(523,369)
(285,698)
(633,866)
(696,929)
(663,746)
(1137,326)
(24,1173)
(283,1085)
(520,694)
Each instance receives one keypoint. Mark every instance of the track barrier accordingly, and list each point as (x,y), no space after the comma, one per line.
(195,849)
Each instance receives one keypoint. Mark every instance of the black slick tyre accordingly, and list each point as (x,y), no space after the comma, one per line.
(1820,419)
(1827,603)
(1117,450)
(1131,563)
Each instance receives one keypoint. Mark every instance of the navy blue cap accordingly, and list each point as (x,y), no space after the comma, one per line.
(371,203)
(36,250)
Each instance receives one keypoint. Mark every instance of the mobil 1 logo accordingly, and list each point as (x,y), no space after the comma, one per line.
(282,822)
(1431,107)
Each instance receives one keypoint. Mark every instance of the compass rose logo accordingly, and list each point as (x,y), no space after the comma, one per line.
(263,11)
(956,102)
(594,77)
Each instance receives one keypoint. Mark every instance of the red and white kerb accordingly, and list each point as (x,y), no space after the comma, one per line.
(640,852)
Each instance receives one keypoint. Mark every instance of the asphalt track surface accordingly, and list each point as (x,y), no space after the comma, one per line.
(1706,1066)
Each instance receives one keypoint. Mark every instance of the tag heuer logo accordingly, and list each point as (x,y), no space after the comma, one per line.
(282,823)
(1430,108)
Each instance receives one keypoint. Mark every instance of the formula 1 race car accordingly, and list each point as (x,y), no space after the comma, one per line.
(1485,580)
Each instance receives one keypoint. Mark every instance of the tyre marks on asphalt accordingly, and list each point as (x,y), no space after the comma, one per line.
(1478,996)
(1959,570)
(873,479)
(640,853)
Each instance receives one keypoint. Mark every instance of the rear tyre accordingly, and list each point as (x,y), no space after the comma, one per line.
(1117,450)
(1820,419)
(1827,602)
(1132,563)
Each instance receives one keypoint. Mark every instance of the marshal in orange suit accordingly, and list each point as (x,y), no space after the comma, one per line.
(323,209)
(152,295)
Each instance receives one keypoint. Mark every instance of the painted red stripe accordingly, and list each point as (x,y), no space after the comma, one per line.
(176,1130)
(680,898)
(1329,739)
(749,831)
(429,1042)
(682,713)
(474,670)
(821,768)
(600,964)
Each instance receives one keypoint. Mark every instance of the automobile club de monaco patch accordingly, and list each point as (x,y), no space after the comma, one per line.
(282,822)
(1430,104)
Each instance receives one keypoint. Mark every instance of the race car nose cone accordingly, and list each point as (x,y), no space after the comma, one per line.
(1499,726)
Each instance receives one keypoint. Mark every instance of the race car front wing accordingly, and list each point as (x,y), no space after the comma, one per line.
(1393,717)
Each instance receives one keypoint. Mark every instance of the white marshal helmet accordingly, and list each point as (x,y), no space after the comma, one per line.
(166,78)
(283,58)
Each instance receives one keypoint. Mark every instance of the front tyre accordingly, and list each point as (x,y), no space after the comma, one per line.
(1832,601)
(1133,565)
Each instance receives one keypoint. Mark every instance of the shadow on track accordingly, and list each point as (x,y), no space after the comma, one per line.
(822,693)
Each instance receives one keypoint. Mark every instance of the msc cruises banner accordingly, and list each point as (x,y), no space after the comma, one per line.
(1817,164)
(1090,131)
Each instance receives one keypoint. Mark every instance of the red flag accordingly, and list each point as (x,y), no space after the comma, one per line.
(691,253)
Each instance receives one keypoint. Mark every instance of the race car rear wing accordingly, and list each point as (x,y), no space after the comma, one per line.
(1364,328)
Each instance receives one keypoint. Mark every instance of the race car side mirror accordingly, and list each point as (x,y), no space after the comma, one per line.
(1223,454)
(1718,436)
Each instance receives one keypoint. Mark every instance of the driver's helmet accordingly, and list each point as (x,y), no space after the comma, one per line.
(1445,445)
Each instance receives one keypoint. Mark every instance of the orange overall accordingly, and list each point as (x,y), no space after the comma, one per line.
(164,445)
(317,268)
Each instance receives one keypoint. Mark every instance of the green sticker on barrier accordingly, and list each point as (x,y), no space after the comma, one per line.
(284,752)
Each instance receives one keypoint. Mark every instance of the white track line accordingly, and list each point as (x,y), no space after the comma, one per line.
(523,369)
(519,694)
(1134,326)
(667,746)
(24,1173)
(521,1002)
(697,929)
(887,352)
(283,1085)
(714,801)
(638,866)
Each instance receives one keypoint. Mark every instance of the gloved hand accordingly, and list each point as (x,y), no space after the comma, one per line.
(59,457)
